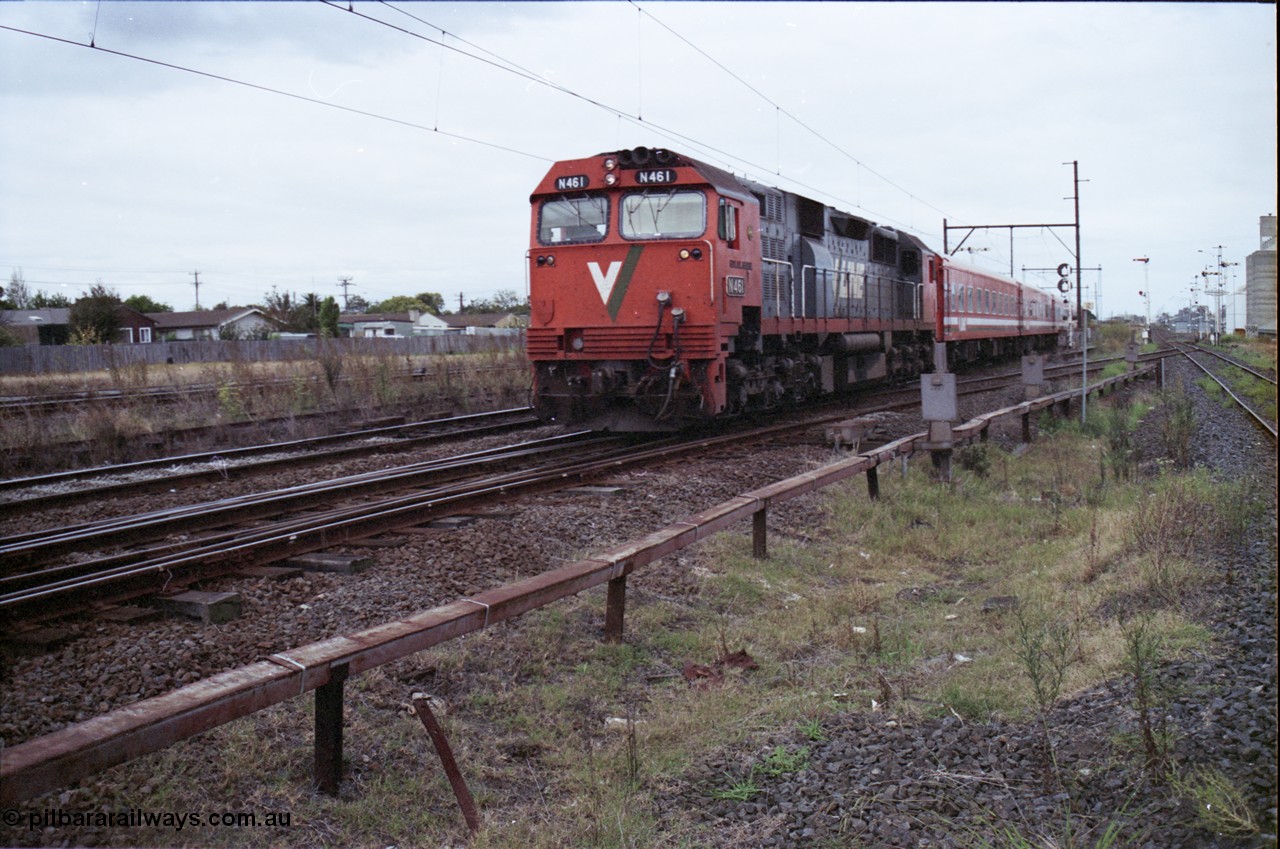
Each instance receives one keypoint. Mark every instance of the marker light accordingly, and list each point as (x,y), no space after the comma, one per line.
(684,253)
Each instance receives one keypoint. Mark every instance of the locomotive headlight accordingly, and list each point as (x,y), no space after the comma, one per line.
(610,163)
(611,179)
(576,343)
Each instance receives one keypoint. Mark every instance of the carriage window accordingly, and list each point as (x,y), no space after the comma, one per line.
(584,218)
(663,215)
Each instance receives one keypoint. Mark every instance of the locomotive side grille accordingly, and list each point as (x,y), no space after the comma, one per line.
(771,210)
(771,247)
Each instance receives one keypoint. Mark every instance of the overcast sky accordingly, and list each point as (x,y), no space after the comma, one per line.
(403,158)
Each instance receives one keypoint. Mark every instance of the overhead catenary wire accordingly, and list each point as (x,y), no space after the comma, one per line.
(781,110)
(702,147)
(271,90)
(498,62)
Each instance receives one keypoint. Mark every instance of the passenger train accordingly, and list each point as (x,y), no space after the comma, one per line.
(665,291)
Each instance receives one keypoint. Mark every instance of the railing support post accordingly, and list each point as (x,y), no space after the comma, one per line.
(422,707)
(873,483)
(329,731)
(759,538)
(615,607)
(1026,427)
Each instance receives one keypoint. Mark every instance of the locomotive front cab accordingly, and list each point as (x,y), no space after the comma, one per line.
(626,294)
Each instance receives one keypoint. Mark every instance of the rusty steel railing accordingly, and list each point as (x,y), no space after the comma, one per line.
(55,760)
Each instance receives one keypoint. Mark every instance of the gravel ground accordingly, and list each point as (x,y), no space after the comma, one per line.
(884,781)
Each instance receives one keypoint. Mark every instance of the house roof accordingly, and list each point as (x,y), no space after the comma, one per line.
(202,318)
(480,319)
(35,318)
(370,317)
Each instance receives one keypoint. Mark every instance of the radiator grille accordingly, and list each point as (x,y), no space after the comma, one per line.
(624,343)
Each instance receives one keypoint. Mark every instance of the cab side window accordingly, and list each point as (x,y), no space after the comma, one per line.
(727,226)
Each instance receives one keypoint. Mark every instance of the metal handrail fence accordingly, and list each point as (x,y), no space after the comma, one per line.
(57,759)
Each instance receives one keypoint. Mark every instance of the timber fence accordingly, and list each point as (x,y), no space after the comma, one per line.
(72,359)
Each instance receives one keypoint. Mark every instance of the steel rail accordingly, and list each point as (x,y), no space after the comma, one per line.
(171,556)
(247,450)
(42,546)
(43,501)
(279,542)
(1232,361)
(1258,419)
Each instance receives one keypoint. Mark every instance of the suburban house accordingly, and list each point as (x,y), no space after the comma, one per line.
(239,323)
(38,327)
(496,323)
(135,327)
(390,325)
(53,326)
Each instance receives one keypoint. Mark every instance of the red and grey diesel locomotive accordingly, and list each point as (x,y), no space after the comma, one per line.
(665,291)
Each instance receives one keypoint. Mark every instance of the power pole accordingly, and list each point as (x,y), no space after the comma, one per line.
(1081,318)
(460,305)
(345,283)
(1064,269)
(196,275)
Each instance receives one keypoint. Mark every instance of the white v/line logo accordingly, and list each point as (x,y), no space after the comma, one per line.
(605,280)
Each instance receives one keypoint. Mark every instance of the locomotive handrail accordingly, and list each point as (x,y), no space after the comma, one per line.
(54,760)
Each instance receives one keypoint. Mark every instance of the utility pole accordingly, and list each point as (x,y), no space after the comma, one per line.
(196,275)
(460,306)
(345,283)
(1063,270)
(1081,319)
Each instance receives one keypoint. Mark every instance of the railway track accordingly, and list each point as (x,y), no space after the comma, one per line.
(22,496)
(1216,367)
(27,495)
(50,573)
